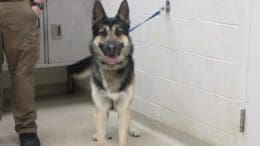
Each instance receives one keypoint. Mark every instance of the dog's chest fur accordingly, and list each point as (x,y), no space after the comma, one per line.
(113,82)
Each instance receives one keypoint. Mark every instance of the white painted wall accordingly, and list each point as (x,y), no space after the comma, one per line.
(192,65)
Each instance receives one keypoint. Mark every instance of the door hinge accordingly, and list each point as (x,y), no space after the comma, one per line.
(242,120)
(168,6)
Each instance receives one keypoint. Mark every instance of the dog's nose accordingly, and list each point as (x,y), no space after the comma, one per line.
(111,48)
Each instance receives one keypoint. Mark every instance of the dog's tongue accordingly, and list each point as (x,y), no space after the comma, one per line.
(112,60)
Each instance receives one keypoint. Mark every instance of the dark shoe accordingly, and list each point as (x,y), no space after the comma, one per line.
(29,139)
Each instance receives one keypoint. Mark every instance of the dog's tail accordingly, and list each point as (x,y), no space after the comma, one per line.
(81,69)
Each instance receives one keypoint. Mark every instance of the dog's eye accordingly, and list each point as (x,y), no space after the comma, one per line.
(103,32)
(101,46)
(119,32)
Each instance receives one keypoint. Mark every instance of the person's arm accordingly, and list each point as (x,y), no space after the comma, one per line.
(36,9)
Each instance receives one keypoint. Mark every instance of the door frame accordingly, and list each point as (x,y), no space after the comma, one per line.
(252,134)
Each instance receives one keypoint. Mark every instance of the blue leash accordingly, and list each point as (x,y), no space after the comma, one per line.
(148,19)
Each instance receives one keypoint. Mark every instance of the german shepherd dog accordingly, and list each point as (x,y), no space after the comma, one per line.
(111,67)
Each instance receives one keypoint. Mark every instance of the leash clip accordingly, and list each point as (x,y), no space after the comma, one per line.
(162,9)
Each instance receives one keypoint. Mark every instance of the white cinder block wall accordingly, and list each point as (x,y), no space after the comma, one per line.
(191,65)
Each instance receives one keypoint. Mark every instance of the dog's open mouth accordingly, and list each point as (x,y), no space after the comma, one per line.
(112,59)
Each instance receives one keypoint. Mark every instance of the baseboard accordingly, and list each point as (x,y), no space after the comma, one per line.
(144,122)
(42,76)
(42,90)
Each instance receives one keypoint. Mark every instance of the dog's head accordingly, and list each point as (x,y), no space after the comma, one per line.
(111,42)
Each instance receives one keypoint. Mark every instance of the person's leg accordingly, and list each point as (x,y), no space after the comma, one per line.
(21,39)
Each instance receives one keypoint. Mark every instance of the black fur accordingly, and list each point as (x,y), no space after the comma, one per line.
(80,66)
(127,73)
(97,76)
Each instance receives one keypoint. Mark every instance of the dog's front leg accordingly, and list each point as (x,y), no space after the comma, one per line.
(101,122)
(124,112)
(124,121)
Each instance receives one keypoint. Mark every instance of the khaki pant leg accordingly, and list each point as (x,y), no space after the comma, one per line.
(21,39)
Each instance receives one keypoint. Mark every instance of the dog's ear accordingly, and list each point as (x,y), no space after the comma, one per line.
(123,12)
(98,12)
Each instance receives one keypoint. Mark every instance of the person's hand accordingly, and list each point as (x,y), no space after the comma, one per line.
(36,10)
(39,1)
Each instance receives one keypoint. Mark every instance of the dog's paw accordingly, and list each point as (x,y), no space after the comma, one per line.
(94,137)
(134,132)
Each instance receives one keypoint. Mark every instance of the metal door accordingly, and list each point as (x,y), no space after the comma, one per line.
(69,30)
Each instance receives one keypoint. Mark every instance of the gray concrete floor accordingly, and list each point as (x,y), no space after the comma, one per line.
(67,120)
